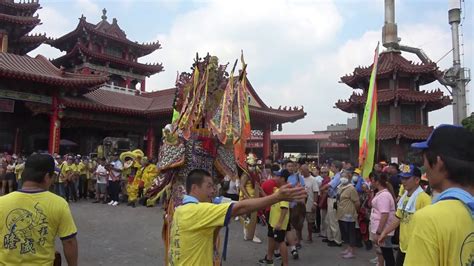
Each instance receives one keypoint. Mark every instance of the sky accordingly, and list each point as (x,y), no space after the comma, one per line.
(296,51)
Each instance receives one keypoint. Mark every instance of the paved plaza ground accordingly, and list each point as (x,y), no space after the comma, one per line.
(125,236)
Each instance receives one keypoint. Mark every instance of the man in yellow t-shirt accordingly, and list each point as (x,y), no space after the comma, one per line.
(33,217)
(19,167)
(443,233)
(412,200)
(196,223)
(82,169)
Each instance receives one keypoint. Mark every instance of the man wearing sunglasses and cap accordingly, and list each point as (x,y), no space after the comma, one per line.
(443,233)
(412,200)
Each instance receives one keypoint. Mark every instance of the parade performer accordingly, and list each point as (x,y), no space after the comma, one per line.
(250,189)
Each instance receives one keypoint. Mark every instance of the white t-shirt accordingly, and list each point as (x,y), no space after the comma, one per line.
(232,185)
(102,174)
(118,165)
(319,180)
(311,186)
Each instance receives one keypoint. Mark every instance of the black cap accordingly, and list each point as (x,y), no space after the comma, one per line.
(448,140)
(43,163)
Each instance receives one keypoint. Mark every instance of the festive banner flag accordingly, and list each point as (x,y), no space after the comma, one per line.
(368,130)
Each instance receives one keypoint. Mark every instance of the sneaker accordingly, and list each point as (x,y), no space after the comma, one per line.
(348,256)
(265,262)
(115,203)
(374,260)
(277,256)
(295,255)
(344,252)
(111,202)
(256,240)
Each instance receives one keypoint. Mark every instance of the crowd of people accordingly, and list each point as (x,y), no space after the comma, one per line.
(81,178)
(401,212)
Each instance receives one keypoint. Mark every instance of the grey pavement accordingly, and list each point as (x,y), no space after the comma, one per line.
(123,235)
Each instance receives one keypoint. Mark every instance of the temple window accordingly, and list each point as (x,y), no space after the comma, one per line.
(408,114)
(383,114)
(113,51)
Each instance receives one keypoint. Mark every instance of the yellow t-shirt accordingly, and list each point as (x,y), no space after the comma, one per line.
(275,213)
(82,169)
(406,226)
(443,234)
(30,223)
(19,170)
(66,169)
(192,232)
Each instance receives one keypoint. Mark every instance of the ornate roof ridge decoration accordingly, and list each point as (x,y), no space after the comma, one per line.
(83,25)
(25,5)
(41,70)
(386,132)
(22,20)
(82,49)
(390,62)
(33,38)
(435,99)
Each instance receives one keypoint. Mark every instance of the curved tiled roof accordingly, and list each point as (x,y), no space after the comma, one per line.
(106,30)
(160,103)
(434,99)
(22,20)
(31,6)
(385,132)
(390,62)
(40,69)
(26,43)
(79,48)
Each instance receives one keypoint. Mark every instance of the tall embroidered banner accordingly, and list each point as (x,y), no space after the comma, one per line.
(368,130)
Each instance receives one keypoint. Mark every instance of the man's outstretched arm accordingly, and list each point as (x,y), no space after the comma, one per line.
(285,192)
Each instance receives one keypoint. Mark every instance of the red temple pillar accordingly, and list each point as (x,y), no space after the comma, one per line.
(142,85)
(150,147)
(54,127)
(266,142)
(17,141)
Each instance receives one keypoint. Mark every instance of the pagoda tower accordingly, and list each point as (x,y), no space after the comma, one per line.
(402,106)
(104,48)
(17,20)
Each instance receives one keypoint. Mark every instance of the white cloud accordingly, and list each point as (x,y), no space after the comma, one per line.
(279,39)
(88,7)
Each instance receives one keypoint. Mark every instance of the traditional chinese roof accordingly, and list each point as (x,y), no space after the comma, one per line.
(80,50)
(20,20)
(26,43)
(386,132)
(103,29)
(109,101)
(25,6)
(390,62)
(434,99)
(40,70)
(160,103)
(318,136)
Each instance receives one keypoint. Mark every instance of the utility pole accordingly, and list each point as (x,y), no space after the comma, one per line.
(457,76)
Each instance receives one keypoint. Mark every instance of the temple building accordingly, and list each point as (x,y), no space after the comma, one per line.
(403,106)
(95,91)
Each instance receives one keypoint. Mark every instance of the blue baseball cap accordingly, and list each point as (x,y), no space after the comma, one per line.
(409,170)
(449,140)
(442,131)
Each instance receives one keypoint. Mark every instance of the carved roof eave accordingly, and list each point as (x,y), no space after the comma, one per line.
(434,99)
(147,69)
(84,26)
(30,6)
(387,132)
(31,21)
(390,63)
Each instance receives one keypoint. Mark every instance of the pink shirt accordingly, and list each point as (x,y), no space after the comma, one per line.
(382,203)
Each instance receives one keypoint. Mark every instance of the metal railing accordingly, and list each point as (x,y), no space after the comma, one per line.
(115,88)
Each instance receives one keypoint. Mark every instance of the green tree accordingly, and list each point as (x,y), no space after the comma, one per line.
(468,122)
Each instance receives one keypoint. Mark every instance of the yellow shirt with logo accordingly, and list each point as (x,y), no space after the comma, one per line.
(275,213)
(406,226)
(443,234)
(66,169)
(192,232)
(30,223)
